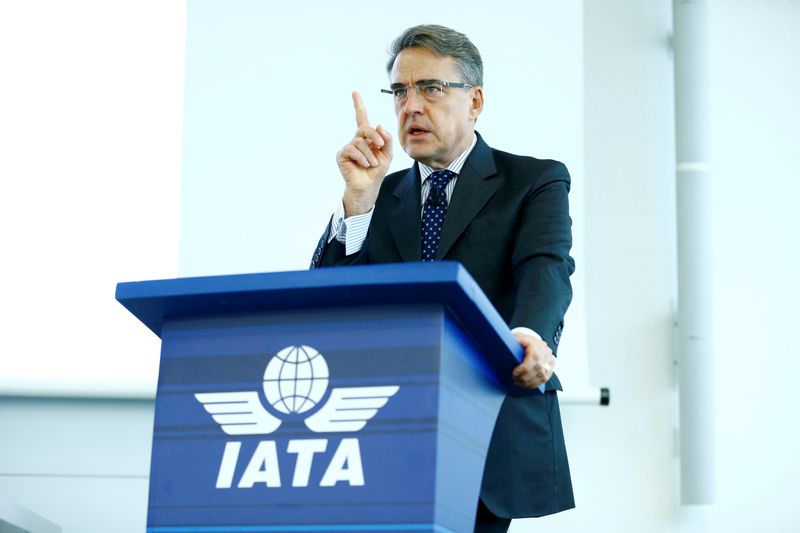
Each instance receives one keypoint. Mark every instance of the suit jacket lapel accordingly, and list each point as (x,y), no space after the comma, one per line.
(404,219)
(474,188)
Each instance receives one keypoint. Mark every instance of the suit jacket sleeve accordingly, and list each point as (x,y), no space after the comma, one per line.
(333,253)
(540,256)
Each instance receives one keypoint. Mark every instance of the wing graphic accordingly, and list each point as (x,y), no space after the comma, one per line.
(349,408)
(239,413)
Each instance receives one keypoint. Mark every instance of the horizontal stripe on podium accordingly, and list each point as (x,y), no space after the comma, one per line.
(269,529)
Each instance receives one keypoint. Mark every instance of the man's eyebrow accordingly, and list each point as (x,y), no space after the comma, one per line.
(418,82)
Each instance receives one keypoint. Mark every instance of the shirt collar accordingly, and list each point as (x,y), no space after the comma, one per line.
(454,167)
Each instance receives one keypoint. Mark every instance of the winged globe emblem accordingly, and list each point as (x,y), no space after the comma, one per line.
(295,381)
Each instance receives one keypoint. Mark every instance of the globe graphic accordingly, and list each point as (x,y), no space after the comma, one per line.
(296,379)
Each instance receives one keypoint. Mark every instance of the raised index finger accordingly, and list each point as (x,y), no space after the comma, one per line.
(361,112)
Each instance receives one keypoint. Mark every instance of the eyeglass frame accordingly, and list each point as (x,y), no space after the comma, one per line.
(396,86)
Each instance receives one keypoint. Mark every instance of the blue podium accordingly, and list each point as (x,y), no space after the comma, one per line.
(338,399)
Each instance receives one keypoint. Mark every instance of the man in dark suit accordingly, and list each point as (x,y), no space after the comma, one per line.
(504,217)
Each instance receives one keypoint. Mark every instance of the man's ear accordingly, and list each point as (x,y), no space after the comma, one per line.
(476,106)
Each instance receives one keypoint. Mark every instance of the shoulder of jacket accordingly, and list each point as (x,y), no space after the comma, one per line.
(532,164)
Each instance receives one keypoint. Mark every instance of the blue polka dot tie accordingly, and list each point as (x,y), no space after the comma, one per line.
(434,212)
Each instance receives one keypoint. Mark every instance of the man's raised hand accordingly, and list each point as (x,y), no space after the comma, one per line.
(364,162)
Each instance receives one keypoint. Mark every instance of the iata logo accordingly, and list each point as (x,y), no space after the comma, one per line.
(295,382)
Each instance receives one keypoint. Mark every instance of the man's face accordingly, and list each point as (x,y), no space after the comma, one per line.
(434,133)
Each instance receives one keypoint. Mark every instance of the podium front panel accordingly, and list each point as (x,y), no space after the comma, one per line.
(302,418)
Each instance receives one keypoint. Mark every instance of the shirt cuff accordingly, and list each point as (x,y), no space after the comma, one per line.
(527,331)
(350,231)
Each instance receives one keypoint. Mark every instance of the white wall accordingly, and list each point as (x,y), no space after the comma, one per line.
(82,464)
(268,105)
(90,148)
(755,73)
(622,458)
(625,472)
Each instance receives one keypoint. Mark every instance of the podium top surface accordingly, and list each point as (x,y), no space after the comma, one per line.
(441,282)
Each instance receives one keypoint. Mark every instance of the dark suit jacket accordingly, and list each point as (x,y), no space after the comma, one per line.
(508,223)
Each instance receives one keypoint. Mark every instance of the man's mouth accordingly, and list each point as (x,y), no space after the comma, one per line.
(415,131)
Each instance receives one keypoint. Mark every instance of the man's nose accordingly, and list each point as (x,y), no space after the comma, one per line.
(415,103)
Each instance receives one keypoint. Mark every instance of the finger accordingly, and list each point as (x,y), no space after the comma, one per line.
(524,368)
(524,339)
(537,365)
(362,120)
(526,378)
(535,352)
(546,362)
(362,146)
(546,367)
(371,135)
(529,377)
(387,140)
(350,154)
(519,375)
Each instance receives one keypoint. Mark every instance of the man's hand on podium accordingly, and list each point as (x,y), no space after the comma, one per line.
(537,363)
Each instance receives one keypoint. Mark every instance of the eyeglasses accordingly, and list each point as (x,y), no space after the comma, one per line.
(431,90)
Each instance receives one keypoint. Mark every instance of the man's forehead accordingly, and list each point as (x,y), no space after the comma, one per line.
(415,64)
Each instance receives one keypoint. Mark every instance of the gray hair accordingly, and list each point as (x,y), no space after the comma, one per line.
(442,41)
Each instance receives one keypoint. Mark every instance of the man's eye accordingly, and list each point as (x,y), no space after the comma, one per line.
(400,93)
(432,90)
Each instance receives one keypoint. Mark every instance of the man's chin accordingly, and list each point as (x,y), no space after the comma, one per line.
(419,153)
